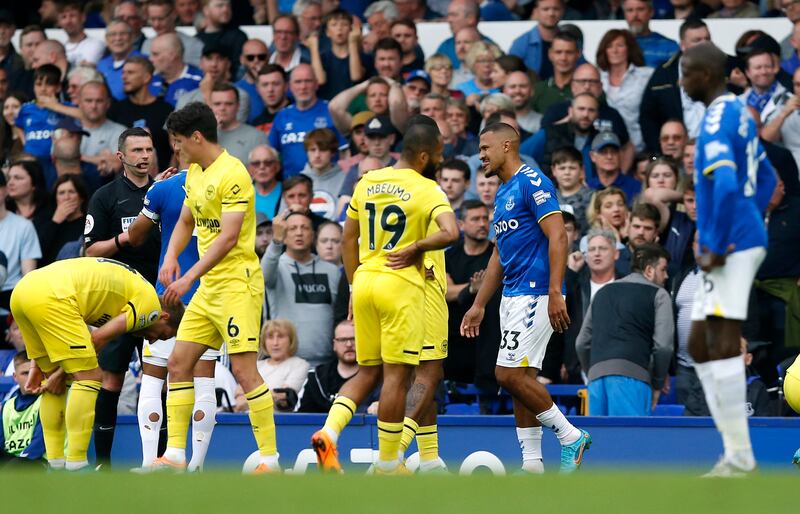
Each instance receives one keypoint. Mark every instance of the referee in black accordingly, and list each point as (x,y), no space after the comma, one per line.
(112,209)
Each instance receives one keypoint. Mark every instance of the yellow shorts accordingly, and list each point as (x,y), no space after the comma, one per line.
(435,345)
(388,316)
(791,391)
(213,318)
(53,328)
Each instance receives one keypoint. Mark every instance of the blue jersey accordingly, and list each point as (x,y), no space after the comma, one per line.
(38,125)
(188,81)
(733,179)
(520,204)
(163,204)
(289,131)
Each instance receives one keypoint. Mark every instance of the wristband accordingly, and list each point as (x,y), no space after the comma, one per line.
(116,242)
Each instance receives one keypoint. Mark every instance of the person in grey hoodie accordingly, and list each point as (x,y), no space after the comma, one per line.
(300,286)
(321,146)
(625,344)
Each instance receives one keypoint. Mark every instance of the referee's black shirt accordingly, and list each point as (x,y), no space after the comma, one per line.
(112,209)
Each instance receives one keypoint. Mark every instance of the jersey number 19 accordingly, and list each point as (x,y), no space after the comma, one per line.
(394,225)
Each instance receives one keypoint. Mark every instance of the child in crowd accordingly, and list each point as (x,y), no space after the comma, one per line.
(21,437)
(321,146)
(567,169)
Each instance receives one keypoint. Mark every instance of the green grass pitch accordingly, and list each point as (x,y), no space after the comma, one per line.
(229,492)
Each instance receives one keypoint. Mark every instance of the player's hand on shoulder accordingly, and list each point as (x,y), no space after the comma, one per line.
(404,258)
(557,311)
(471,323)
(167,173)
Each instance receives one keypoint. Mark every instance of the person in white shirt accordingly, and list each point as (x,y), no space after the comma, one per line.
(81,49)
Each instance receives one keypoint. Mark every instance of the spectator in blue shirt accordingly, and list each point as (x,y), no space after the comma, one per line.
(265,168)
(36,122)
(605,155)
(254,56)
(21,436)
(173,76)
(119,40)
(657,48)
(460,14)
(532,47)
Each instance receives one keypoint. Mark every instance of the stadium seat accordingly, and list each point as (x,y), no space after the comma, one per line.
(462,409)
(667,409)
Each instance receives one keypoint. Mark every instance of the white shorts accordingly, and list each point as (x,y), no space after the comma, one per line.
(158,352)
(525,331)
(725,291)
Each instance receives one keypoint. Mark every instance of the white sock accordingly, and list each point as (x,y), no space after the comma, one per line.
(530,441)
(75,466)
(332,434)
(149,404)
(270,460)
(176,455)
(553,419)
(731,390)
(205,401)
(56,463)
(387,466)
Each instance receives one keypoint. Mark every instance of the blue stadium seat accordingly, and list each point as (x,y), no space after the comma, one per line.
(666,409)
(462,409)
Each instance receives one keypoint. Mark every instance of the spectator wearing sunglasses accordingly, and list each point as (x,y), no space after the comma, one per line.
(254,57)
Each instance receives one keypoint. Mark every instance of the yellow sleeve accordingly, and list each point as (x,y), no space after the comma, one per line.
(143,309)
(437,199)
(236,190)
(355,202)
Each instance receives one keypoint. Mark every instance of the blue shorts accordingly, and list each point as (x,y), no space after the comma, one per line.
(615,395)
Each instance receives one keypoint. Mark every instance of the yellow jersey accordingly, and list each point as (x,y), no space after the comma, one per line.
(394,208)
(225,186)
(103,288)
(435,260)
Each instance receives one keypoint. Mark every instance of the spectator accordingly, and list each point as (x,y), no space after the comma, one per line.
(792,63)
(163,18)
(379,15)
(188,12)
(625,342)
(660,188)
(300,286)
(464,40)
(68,220)
(454,176)
(173,77)
(27,194)
(66,153)
(642,229)
(404,31)
(141,108)
(415,10)
(130,12)
(563,54)
(672,139)
(684,286)
(624,78)
(29,39)
(687,163)
(486,188)
(327,177)
(265,166)
(440,70)
(433,106)
(609,210)
(784,125)
(792,11)
(81,49)
(457,116)
(263,233)
(37,122)
(309,16)
(281,369)
(216,69)
(534,46)
(480,60)
(461,14)
(765,92)
(10,61)
(567,168)
(338,65)
(119,39)
(50,51)
(76,78)
(605,155)
(359,147)
(20,245)
(236,137)
(736,9)
(664,98)
(329,243)
(219,31)
(656,48)
(503,66)
(272,85)
(417,85)
(101,145)
(21,436)
(519,88)
(684,10)
(254,57)
(287,51)
(325,380)
(12,137)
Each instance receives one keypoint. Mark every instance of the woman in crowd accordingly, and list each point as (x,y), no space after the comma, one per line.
(440,69)
(660,188)
(11,136)
(70,199)
(457,115)
(609,210)
(27,193)
(480,59)
(624,78)
(503,66)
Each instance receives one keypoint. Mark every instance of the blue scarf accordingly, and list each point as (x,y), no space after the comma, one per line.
(759,101)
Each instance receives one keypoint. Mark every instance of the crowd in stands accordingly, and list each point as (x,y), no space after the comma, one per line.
(327,100)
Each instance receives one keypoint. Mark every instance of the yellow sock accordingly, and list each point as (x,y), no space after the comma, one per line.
(51,412)
(180,402)
(409,431)
(389,440)
(428,443)
(340,414)
(261,418)
(79,418)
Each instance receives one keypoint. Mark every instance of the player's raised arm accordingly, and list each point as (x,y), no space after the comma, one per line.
(553,228)
(181,235)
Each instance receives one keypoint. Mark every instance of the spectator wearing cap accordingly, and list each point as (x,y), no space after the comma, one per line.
(254,56)
(327,177)
(300,286)
(461,14)
(10,60)
(358,140)
(100,147)
(173,77)
(286,48)
(765,91)
(736,9)
(216,68)
(81,49)
(417,85)
(272,85)
(265,167)
(563,53)
(404,31)
(656,47)
(119,39)
(295,121)
(381,135)
(626,341)
(480,60)
(19,243)
(163,17)
(380,96)
(533,46)
(236,137)
(338,65)
(605,155)
(263,233)
(219,31)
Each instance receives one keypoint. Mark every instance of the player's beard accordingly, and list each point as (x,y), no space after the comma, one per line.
(429,171)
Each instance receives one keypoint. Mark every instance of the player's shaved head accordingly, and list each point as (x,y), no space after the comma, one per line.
(505,131)
(706,56)
(703,70)
(420,137)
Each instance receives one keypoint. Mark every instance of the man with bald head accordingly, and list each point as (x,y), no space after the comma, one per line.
(530,261)
(733,176)
(50,51)
(173,76)
(460,14)
(463,42)
(295,121)
(519,88)
(163,18)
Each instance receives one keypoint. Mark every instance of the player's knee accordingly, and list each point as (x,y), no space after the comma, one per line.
(507,378)
(431,372)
